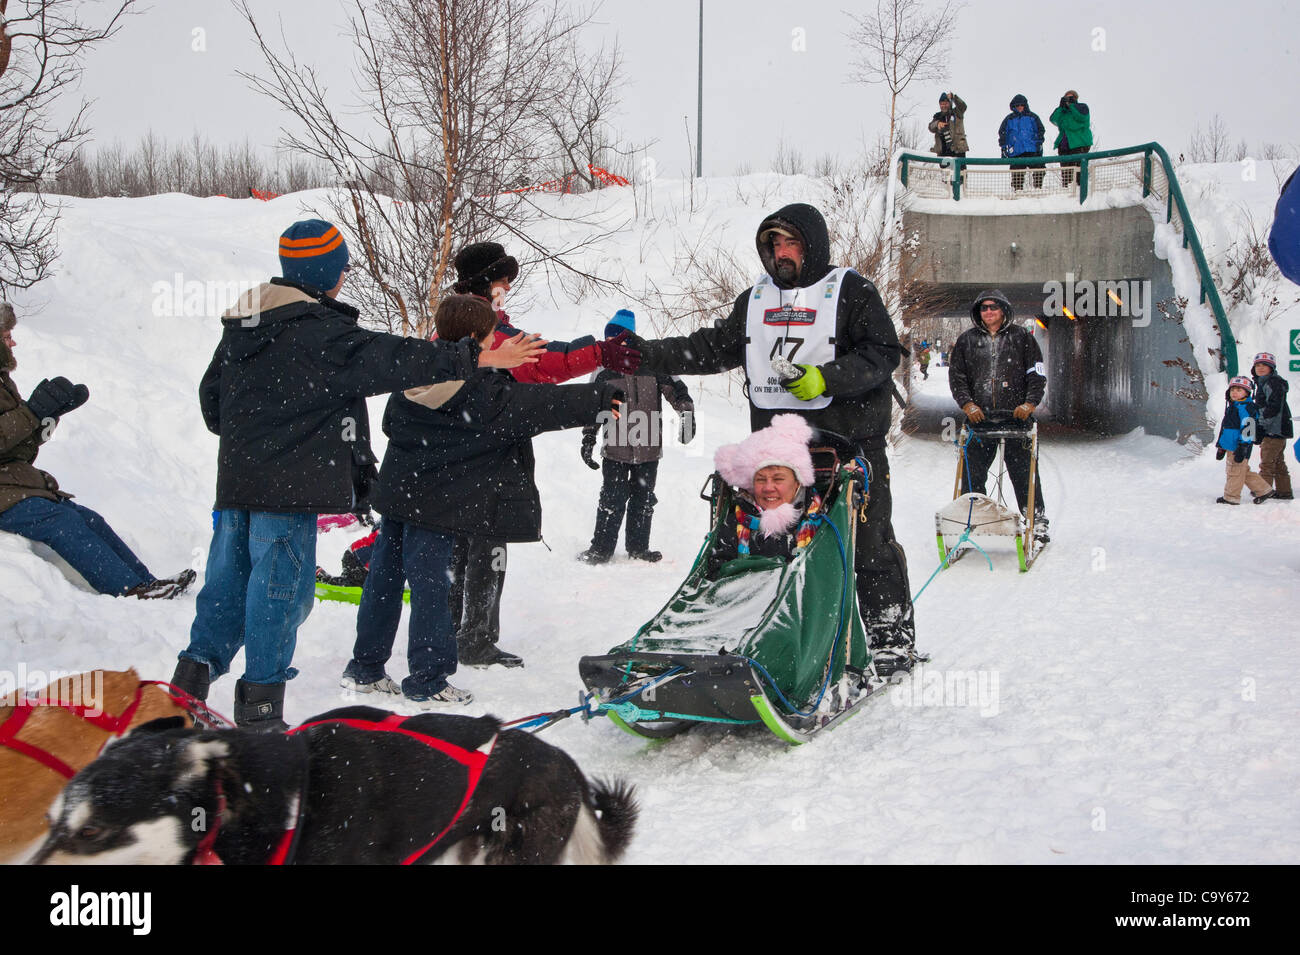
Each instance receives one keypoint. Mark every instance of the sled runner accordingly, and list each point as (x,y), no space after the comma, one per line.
(764,640)
(971,514)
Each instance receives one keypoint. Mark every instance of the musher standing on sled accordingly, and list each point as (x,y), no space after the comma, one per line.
(833,324)
(997,366)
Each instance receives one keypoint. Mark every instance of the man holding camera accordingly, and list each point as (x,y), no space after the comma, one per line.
(1075,135)
(949,126)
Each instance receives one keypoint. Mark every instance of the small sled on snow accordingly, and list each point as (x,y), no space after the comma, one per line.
(971,514)
(764,641)
(347,595)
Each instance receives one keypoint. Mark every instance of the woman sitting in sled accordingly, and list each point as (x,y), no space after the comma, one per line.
(776,508)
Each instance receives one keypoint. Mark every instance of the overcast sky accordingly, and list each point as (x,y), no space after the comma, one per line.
(1149,70)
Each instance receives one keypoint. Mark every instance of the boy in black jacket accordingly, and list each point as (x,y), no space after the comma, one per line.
(286,393)
(1275,426)
(459,461)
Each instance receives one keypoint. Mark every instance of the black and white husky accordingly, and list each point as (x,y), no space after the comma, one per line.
(353,786)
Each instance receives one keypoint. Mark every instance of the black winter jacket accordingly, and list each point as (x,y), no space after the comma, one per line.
(637,437)
(460,454)
(866,346)
(997,372)
(1274,412)
(286,389)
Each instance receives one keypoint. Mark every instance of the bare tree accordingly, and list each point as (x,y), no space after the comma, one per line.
(1212,145)
(579,113)
(454,92)
(42,44)
(901,42)
(788,160)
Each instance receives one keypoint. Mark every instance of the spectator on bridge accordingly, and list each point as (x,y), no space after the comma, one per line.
(949,126)
(1275,426)
(996,375)
(1022,134)
(1284,237)
(1075,135)
(1236,440)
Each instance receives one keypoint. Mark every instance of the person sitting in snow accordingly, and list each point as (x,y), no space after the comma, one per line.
(1238,435)
(459,462)
(775,505)
(356,564)
(33,506)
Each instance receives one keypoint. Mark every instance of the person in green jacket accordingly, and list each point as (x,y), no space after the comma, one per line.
(1075,136)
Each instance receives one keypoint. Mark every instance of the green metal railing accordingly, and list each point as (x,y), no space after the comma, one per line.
(1154,178)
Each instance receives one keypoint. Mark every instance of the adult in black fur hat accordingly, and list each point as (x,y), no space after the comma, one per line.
(479,265)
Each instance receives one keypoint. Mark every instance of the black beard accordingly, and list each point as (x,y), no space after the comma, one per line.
(786,270)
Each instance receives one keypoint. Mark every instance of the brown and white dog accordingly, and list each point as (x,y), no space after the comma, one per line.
(47,737)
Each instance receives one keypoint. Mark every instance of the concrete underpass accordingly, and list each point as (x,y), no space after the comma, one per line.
(1119,363)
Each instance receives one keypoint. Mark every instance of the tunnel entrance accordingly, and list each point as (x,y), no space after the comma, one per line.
(1089,285)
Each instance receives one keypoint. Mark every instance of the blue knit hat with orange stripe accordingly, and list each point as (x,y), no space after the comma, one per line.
(313,253)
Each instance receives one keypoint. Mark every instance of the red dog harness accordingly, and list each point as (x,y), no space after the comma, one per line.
(474,762)
(26,706)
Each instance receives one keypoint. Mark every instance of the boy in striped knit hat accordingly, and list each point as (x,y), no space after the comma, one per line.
(286,393)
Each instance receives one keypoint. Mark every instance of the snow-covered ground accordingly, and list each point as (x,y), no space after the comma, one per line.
(1138,689)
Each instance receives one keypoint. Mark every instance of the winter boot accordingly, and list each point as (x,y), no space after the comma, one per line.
(593,556)
(260,707)
(1266,496)
(193,677)
(485,655)
(1224,500)
(649,556)
(163,588)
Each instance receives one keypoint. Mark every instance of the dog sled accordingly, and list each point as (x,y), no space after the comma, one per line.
(763,641)
(971,514)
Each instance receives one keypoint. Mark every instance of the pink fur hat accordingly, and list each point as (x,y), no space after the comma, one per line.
(783,442)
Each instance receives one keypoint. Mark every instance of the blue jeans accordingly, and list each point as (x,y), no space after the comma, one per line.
(402,552)
(257,591)
(82,538)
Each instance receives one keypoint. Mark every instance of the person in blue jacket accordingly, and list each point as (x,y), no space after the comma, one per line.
(1237,437)
(1022,134)
(1284,237)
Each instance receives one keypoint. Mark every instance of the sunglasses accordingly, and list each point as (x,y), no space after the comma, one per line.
(990,308)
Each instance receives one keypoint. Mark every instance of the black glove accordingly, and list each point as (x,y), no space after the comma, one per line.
(1239,455)
(1064,100)
(53,398)
(1220,454)
(588,446)
(617,355)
